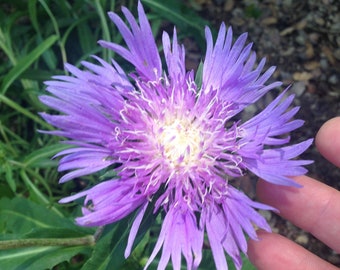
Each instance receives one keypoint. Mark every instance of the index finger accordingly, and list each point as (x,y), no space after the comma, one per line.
(315,208)
(328,140)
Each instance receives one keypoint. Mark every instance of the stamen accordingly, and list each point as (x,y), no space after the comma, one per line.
(180,142)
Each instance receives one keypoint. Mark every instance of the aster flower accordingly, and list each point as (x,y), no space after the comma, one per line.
(172,141)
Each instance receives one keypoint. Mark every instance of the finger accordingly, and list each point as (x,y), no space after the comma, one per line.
(328,140)
(315,207)
(274,251)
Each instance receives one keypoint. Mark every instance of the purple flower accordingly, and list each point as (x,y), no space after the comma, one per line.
(172,141)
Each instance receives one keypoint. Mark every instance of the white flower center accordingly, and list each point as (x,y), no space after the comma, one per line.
(181,142)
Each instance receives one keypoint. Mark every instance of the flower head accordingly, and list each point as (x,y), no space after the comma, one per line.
(172,141)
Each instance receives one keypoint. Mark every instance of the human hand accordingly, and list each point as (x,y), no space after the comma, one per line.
(315,208)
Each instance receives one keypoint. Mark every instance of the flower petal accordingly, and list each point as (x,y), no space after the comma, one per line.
(142,51)
(179,235)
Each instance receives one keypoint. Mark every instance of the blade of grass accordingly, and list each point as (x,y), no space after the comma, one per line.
(24,111)
(79,24)
(56,29)
(5,139)
(25,62)
(38,194)
(32,11)
(37,157)
(9,177)
(108,54)
(48,55)
(5,37)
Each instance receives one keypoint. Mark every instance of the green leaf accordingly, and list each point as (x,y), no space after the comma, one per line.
(108,253)
(247,265)
(21,216)
(5,191)
(9,177)
(23,219)
(38,258)
(208,261)
(32,11)
(139,256)
(25,62)
(42,157)
(39,75)
(86,38)
(58,232)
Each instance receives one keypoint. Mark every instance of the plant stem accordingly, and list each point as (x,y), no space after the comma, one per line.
(43,242)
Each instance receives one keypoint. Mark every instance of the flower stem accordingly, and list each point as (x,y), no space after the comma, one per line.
(40,242)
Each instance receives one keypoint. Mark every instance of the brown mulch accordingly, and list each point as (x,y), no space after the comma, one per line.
(301,38)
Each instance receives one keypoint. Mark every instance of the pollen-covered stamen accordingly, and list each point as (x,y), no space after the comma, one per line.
(180,142)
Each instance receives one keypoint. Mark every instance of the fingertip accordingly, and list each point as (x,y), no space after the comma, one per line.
(328,140)
(273,251)
(255,248)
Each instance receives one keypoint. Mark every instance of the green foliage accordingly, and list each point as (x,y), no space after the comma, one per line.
(37,37)
(21,219)
(37,257)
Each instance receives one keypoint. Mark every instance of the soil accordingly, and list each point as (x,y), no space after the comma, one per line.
(301,38)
